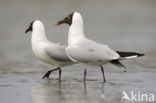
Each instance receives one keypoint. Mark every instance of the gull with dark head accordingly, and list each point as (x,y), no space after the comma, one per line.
(86,51)
(46,51)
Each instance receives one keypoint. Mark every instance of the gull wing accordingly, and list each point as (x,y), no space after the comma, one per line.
(57,52)
(90,51)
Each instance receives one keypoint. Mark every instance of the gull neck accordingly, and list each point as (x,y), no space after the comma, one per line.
(76,32)
(38,32)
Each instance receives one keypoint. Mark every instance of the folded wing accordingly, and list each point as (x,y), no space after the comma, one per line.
(89,51)
(57,53)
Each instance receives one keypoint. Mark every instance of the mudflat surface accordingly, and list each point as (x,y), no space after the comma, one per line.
(123,25)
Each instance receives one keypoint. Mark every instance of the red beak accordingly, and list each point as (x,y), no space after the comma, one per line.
(59,23)
(27,30)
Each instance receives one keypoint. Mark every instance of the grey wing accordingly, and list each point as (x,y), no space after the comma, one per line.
(57,53)
(96,51)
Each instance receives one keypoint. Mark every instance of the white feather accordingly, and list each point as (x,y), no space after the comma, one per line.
(134,56)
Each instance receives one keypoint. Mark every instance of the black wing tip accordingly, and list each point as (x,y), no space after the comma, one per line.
(139,54)
(128,54)
(117,63)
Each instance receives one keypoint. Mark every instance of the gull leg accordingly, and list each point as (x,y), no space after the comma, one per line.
(60,72)
(48,73)
(84,79)
(104,80)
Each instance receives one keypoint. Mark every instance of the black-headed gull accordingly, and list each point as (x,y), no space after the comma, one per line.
(83,50)
(47,51)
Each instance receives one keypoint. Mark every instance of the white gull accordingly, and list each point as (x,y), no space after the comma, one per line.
(86,51)
(46,51)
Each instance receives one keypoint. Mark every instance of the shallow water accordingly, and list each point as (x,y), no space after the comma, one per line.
(123,25)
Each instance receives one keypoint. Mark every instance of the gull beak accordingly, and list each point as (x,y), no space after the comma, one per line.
(27,30)
(59,23)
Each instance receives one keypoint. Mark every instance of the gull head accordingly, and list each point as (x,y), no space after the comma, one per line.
(36,23)
(73,17)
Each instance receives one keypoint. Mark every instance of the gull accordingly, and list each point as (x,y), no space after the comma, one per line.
(88,52)
(46,51)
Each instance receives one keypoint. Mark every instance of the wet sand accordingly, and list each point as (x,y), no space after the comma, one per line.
(123,25)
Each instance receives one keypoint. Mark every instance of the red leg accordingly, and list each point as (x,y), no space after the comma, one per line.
(48,73)
(60,72)
(103,73)
(85,72)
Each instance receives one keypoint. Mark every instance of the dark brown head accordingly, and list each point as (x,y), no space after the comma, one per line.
(66,20)
(30,28)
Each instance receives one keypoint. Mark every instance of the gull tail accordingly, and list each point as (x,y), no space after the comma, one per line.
(127,55)
(118,63)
